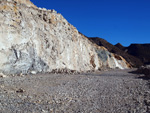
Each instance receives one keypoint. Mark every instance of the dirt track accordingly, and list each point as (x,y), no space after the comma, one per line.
(116,91)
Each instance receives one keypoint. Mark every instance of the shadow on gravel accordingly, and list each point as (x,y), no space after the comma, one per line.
(139,75)
(144,78)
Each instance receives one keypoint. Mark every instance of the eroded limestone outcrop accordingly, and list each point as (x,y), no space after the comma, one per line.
(35,39)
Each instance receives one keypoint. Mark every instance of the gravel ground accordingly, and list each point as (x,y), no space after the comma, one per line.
(115,91)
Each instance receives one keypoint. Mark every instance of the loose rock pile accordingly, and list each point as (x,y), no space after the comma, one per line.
(64,71)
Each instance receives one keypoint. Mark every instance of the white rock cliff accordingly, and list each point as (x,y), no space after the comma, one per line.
(35,39)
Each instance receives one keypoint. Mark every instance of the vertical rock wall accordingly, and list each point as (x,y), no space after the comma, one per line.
(42,40)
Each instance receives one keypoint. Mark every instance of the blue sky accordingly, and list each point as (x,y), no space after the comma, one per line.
(123,21)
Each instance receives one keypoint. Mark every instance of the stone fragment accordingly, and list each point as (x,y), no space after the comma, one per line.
(20,90)
(33,72)
(2,75)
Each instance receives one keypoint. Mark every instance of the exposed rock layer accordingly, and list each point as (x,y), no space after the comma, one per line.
(34,39)
(133,60)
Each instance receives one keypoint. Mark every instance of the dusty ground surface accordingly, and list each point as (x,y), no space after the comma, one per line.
(115,91)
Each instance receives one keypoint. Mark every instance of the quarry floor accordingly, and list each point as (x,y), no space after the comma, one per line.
(114,91)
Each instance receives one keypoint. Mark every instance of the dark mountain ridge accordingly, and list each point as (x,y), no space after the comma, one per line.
(136,54)
(120,46)
(141,51)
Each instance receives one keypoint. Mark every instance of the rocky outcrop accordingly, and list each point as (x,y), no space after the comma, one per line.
(39,40)
(21,2)
(132,60)
(110,60)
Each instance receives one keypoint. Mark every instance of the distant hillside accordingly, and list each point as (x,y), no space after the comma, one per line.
(118,49)
(120,46)
(141,51)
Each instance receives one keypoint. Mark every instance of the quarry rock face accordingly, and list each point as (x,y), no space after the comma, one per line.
(110,60)
(40,40)
(118,49)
